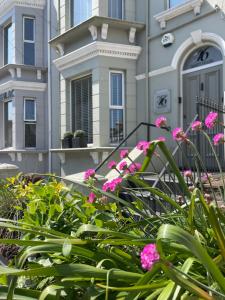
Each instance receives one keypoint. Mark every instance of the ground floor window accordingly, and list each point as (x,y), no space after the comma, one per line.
(30,122)
(8,123)
(82,119)
(116,106)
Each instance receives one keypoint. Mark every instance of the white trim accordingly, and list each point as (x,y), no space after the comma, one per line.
(95,49)
(161,71)
(214,64)
(23,85)
(178,10)
(121,107)
(35,110)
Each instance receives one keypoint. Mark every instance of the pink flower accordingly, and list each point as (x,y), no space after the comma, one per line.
(112,165)
(197,125)
(91,197)
(188,173)
(112,185)
(211,119)
(149,256)
(218,139)
(89,174)
(206,177)
(124,154)
(160,122)
(135,167)
(143,146)
(161,139)
(123,166)
(178,134)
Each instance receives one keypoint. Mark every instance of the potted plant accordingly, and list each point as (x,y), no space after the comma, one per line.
(67,140)
(79,139)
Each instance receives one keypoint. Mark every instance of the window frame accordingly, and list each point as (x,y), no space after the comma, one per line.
(29,121)
(29,41)
(8,24)
(123,11)
(35,109)
(116,107)
(4,127)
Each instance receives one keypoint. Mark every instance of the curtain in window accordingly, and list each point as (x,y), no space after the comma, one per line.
(82,106)
(8,124)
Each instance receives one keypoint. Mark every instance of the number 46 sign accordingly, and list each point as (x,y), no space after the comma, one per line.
(162,101)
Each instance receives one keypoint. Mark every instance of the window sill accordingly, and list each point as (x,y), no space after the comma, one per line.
(178,10)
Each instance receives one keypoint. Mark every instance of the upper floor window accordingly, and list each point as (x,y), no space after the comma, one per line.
(28,41)
(116,9)
(8,44)
(173,3)
(81,10)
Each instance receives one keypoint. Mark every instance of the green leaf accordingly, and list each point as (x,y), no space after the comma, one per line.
(67,247)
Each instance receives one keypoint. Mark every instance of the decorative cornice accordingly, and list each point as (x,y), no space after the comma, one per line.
(97,49)
(23,85)
(6,5)
(178,10)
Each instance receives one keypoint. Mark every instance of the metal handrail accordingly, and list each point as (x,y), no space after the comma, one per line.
(148,125)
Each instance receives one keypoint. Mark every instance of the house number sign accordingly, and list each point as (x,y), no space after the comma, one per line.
(162,101)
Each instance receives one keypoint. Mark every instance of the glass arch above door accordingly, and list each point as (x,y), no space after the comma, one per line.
(203,56)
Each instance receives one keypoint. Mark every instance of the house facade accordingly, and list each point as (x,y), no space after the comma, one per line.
(124,62)
(102,66)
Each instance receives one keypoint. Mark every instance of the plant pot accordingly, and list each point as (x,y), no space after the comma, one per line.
(67,143)
(79,142)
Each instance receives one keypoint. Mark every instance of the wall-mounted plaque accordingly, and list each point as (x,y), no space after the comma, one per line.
(162,101)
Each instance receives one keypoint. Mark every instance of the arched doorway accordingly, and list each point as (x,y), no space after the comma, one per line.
(203,92)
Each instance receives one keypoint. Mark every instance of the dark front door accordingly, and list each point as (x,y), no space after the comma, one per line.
(202,94)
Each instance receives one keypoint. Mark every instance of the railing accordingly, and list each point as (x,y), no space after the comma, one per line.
(147,125)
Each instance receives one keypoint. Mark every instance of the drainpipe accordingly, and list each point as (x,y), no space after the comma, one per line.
(49,91)
(147,68)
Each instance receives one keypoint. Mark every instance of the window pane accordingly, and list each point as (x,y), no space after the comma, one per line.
(82,106)
(81,11)
(30,135)
(8,45)
(116,89)
(29,54)
(116,9)
(8,107)
(30,110)
(176,2)
(116,125)
(28,29)
(203,56)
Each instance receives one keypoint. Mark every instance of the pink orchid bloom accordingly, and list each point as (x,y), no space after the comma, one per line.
(89,174)
(112,165)
(124,154)
(160,122)
(178,134)
(218,139)
(211,119)
(91,197)
(197,125)
(149,256)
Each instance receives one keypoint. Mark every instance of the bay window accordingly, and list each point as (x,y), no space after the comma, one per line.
(30,123)
(28,41)
(8,123)
(8,44)
(116,107)
(116,8)
(82,106)
(81,10)
(173,3)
